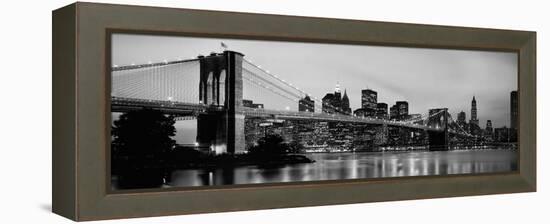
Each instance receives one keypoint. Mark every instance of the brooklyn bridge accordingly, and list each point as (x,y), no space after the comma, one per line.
(211,89)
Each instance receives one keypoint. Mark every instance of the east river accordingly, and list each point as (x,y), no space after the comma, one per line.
(353,165)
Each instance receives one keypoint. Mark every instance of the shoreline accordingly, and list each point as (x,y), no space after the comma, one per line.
(420,149)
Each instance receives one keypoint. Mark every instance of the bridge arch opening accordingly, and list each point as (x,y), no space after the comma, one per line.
(222,89)
(210,89)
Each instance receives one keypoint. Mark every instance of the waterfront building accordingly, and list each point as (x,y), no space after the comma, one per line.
(251,104)
(402,110)
(488,131)
(345,104)
(382,110)
(489,126)
(394,112)
(328,106)
(399,111)
(369,100)
(335,103)
(306,104)
(461,120)
(502,134)
(473,119)
(461,117)
(514,109)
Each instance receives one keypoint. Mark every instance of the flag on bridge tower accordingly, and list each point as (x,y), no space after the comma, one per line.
(224,46)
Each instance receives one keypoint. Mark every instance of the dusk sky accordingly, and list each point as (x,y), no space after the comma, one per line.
(426,78)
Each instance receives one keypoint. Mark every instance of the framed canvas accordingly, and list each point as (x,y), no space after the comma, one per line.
(203,111)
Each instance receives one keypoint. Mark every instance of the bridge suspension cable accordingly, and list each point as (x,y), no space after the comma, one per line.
(452,121)
(293,90)
(173,81)
(260,84)
(115,68)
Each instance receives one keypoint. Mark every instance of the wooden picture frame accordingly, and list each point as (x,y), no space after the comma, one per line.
(81,107)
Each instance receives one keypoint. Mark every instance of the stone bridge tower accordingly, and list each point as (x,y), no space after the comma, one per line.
(439,140)
(221,89)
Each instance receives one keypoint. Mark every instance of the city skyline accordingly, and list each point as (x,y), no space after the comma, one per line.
(425,74)
(370,104)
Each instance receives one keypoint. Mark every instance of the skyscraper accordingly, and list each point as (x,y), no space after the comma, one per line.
(382,110)
(327,104)
(335,103)
(345,103)
(306,104)
(337,100)
(461,120)
(514,109)
(489,126)
(488,133)
(394,112)
(403,109)
(369,99)
(399,111)
(474,119)
(461,117)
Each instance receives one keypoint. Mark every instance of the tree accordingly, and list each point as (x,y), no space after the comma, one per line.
(295,147)
(271,144)
(142,141)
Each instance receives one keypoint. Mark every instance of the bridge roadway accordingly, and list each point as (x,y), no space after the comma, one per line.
(293,115)
(302,115)
(120,104)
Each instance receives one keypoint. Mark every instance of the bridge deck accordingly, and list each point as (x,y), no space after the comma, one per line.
(119,104)
(292,115)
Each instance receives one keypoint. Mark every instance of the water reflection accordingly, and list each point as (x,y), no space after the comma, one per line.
(336,166)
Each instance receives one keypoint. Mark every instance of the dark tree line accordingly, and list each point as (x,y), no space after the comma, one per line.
(140,148)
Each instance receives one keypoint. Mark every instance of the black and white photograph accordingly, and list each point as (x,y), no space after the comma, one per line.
(203,111)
